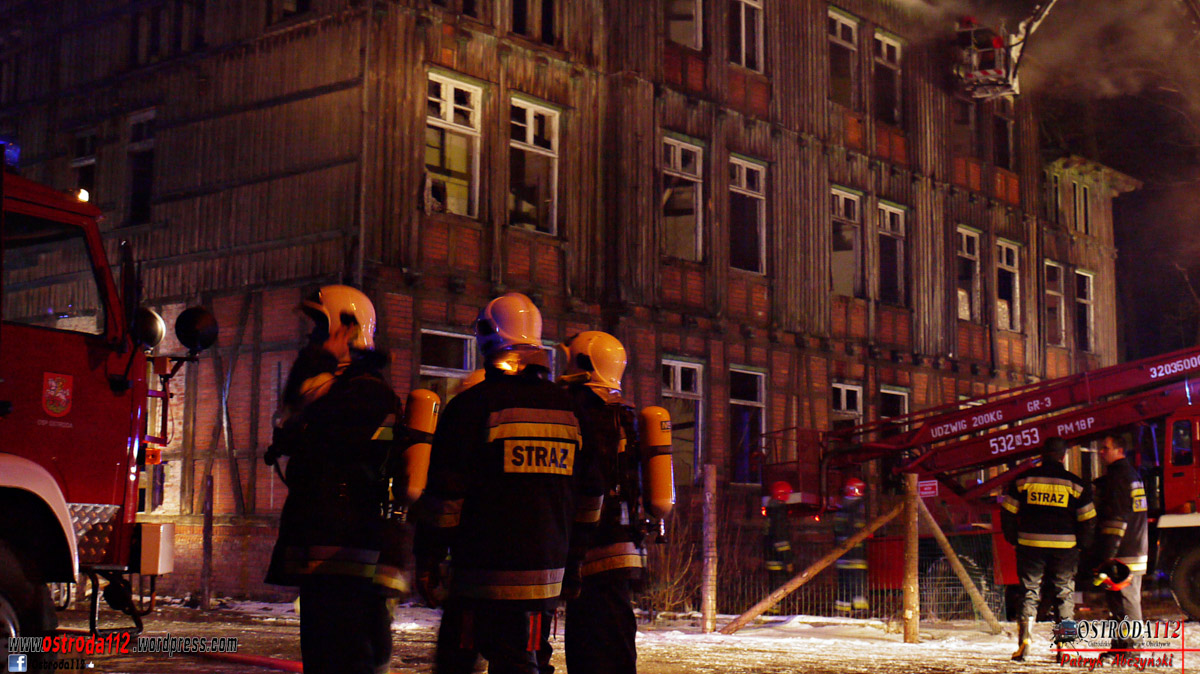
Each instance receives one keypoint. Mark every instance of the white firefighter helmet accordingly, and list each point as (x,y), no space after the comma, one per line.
(598,354)
(508,321)
(347,305)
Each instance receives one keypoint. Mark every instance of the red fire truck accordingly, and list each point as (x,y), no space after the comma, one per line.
(1155,397)
(75,391)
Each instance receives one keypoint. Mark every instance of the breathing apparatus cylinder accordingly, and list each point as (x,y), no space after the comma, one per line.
(658,473)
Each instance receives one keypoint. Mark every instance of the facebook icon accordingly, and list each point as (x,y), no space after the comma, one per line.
(18,662)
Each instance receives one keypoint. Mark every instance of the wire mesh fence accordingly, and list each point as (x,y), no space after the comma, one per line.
(745,576)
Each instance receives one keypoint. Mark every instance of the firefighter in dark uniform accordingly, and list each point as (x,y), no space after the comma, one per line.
(1048,515)
(510,481)
(601,629)
(777,544)
(852,566)
(1122,535)
(332,530)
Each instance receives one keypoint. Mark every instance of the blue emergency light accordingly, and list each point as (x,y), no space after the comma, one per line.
(12,151)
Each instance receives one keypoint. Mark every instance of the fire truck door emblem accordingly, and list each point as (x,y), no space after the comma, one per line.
(56,393)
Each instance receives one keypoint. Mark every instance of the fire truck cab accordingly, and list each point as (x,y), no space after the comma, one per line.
(74,394)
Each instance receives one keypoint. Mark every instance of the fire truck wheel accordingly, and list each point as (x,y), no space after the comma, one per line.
(1185,582)
(25,604)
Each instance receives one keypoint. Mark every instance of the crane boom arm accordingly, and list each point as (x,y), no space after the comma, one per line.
(1013,444)
(1016,405)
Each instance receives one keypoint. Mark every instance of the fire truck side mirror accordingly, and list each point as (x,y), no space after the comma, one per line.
(148,328)
(196,329)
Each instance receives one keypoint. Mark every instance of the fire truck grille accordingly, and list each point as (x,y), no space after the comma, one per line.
(93,529)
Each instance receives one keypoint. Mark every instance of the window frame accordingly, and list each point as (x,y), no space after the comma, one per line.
(760,404)
(554,116)
(1062,301)
(677,365)
(837,402)
(884,229)
(1002,114)
(741,8)
(84,162)
(140,127)
(904,393)
(446,122)
(880,60)
(672,167)
(535,28)
(1088,305)
(740,168)
(840,196)
(963,234)
(1085,205)
(840,19)
(1003,265)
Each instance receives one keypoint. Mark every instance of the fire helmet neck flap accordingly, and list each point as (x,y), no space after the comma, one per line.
(598,358)
(347,305)
(508,322)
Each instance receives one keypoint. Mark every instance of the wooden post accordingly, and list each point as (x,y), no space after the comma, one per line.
(959,570)
(206,562)
(708,587)
(912,597)
(811,572)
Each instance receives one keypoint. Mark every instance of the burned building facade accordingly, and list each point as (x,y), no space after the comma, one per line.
(785,209)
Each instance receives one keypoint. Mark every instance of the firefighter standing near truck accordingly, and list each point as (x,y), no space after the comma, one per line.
(511,479)
(852,566)
(1122,535)
(1048,516)
(332,529)
(601,629)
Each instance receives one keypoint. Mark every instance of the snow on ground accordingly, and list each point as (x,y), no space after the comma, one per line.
(676,644)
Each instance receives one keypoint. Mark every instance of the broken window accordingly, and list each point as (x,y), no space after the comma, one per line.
(1002,136)
(1084,338)
(887,80)
(535,19)
(533,166)
(846,405)
(893,402)
(746,33)
(451,146)
(682,199)
(141,166)
(967,274)
(747,215)
(747,404)
(684,23)
(683,397)
(446,359)
(963,140)
(891,254)
(1008,274)
(843,52)
(1085,208)
(1055,321)
(845,265)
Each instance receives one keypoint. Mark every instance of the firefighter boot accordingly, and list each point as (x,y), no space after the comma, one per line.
(1024,636)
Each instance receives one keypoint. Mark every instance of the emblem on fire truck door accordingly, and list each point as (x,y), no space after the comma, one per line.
(56,393)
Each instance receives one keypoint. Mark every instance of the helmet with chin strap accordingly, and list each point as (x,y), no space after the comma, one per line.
(597,357)
(507,322)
